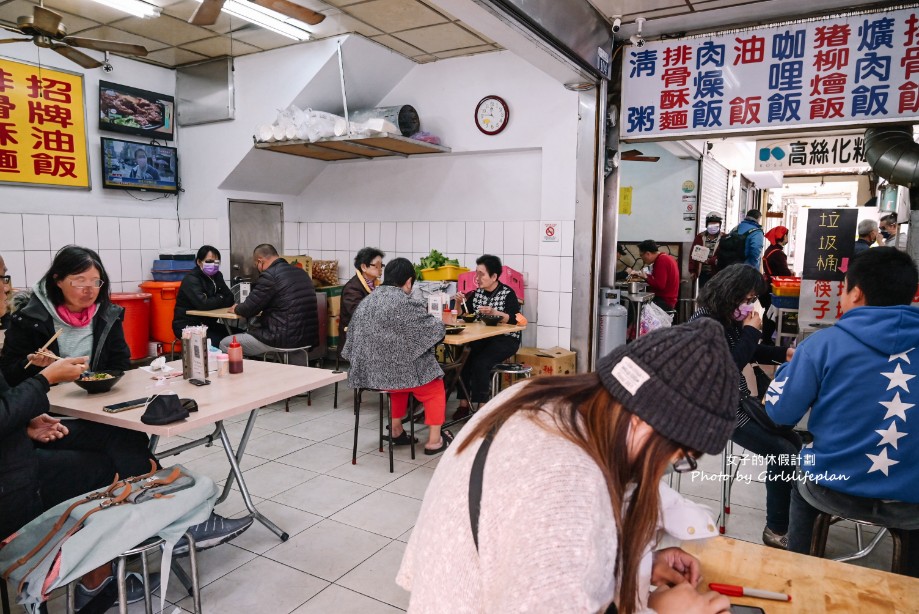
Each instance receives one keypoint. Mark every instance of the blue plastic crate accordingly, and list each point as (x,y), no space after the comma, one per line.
(173,265)
(786,302)
(169,275)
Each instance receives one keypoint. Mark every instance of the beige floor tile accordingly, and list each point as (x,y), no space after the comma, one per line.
(318,457)
(216,466)
(328,549)
(343,601)
(323,495)
(405,536)
(276,445)
(273,478)
(412,484)
(234,504)
(376,577)
(318,429)
(261,585)
(382,513)
(371,470)
(367,440)
(280,420)
(213,564)
(259,539)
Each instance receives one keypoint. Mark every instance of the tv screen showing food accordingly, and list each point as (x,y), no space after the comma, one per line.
(133,111)
(135,166)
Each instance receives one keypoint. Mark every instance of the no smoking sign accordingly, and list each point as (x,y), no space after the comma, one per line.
(550,232)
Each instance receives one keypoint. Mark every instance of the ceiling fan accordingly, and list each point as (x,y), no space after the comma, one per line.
(206,14)
(633,155)
(45,28)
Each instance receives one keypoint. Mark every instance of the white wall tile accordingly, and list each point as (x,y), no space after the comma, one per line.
(35,232)
(291,238)
(328,236)
(372,234)
(86,231)
(355,236)
(388,238)
(211,233)
(513,237)
(111,260)
(342,236)
(403,237)
(438,232)
(345,264)
(528,336)
(475,238)
(546,336)
(314,230)
(456,238)
(61,231)
(565,283)
(37,264)
(303,238)
(547,314)
(110,233)
(530,309)
(421,238)
(564,338)
(196,229)
(131,265)
(564,310)
(531,238)
(150,234)
(513,261)
(129,231)
(530,271)
(169,231)
(185,236)
(11,237)
(549,271)
(16,266)
(147,257)
(493,240)
(549,248)
(568,238)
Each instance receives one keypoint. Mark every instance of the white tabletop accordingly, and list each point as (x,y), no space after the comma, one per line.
(261,383)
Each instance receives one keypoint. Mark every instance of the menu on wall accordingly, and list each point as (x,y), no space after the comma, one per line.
(848,70)
(42,126)
(829,244)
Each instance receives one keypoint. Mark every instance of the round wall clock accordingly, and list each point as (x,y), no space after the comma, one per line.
(492,115)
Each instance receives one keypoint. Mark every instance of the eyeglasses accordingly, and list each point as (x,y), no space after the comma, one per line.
(750,300)
(211,261)
(378,265)
(82,285)
(6,279)
(685,463)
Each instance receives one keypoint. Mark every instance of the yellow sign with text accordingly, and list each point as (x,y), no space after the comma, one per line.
(42,126)
(625,201)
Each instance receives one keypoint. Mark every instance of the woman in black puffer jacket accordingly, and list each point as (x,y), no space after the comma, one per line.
(202,289)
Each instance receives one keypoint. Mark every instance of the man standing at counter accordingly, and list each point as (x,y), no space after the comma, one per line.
(664,278)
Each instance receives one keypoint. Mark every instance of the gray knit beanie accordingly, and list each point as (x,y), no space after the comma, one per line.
(681,380)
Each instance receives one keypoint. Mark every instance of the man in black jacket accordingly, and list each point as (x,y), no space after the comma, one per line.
(285,300)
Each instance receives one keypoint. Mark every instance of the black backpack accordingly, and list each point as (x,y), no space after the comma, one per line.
(733,248)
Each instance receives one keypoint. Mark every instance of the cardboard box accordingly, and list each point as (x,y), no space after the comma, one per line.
(334,322)
(334,305)
(551,361)
(301,262)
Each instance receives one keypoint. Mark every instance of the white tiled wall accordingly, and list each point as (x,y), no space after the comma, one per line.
(546,266)
(127,246)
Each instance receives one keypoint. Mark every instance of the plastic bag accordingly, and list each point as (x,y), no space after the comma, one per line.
(653,317)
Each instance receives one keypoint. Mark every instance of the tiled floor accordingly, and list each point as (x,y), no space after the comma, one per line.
(349,524)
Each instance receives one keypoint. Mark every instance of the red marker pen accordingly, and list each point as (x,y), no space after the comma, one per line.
(732,590)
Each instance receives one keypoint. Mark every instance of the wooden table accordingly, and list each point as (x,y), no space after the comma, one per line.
(260,384)
(477,331)
(815,585)
(223,313)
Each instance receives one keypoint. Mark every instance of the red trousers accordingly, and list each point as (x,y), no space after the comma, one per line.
(432,395)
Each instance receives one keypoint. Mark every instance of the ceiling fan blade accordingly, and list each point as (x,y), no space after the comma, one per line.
(207,13)
(12,29)
(285,7)
(46,20)
(103,45)
(14,40)
(641,158)
(77,56)
(630,153)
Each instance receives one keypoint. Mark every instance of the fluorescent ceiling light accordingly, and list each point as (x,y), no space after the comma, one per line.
(133,7)
(268,19)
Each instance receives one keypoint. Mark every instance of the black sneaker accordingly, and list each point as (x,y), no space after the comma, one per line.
(212,532)
(106,594)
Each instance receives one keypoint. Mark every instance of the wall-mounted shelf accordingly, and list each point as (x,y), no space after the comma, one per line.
(355,148)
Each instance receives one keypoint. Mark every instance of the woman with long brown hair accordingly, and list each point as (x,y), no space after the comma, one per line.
(551,499)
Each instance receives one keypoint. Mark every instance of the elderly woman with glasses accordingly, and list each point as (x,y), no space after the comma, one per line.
(729,298)
(368,269)
(203,289)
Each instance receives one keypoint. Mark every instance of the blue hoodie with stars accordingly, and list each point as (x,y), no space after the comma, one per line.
(859,379)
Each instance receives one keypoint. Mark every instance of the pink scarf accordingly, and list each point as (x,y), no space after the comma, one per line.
(79,319)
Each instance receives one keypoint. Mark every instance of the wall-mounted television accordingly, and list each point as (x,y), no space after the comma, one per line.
(127,165)
(134,111)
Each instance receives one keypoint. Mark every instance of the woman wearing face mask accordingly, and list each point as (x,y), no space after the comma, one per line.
(202,289)
(703,270)
(729,299)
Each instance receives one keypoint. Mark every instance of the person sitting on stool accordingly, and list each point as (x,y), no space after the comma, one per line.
(664,278)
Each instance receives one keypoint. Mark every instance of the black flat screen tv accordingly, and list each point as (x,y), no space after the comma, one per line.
(134,111)
(127,165)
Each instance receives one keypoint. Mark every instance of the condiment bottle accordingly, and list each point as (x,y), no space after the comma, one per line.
(235,356)
(223,365)
(454,314)
(445,316)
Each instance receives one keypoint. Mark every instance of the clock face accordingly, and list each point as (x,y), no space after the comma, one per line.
(491,115)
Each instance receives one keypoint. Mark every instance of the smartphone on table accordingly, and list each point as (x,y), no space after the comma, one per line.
(746,609)
(118,407)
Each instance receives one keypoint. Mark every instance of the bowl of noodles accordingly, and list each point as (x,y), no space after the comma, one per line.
(94,382)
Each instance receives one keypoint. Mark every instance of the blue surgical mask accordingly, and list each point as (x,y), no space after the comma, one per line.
(211,269)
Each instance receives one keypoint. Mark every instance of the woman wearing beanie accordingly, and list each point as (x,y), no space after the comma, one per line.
(551,499)
(728,298)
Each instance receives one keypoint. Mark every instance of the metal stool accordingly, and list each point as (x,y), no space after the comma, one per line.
(283,356)
(121,576)
(510,368)
(384,397)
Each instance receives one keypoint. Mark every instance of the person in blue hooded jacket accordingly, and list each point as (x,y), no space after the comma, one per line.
(753,246)
(859,380)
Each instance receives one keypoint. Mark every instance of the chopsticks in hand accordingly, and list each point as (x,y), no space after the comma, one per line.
(42,351)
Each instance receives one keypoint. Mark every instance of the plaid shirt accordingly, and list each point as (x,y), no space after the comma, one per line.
(501,298)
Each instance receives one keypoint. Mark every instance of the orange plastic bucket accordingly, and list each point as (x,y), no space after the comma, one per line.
(162,310)
(136,320)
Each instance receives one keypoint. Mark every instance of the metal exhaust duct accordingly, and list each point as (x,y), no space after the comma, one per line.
(893,154)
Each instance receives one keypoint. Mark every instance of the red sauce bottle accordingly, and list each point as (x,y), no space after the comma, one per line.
(235,354)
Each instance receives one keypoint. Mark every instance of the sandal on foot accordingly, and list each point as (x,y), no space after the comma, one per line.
(446,438)
(403,439)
